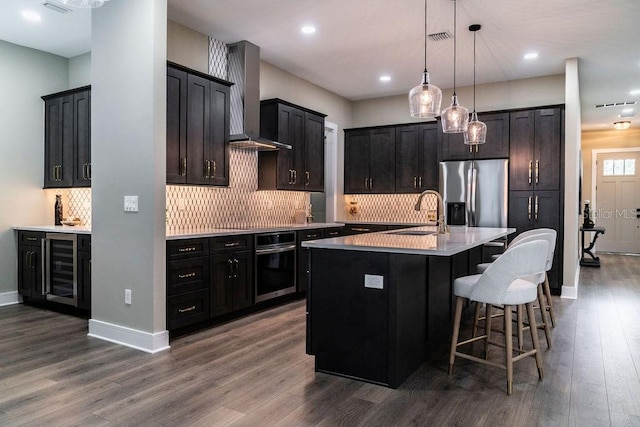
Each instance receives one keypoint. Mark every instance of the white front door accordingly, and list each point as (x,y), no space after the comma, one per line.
(618,201)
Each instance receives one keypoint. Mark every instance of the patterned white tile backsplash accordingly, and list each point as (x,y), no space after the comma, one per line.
(242,205)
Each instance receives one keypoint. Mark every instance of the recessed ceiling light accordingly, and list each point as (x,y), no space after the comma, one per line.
(308,29)
(385,78)
(635,92)
(531,55)
(627,110)
(32,16)
(622,125)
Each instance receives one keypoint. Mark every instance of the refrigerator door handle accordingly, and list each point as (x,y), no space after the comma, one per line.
(474,183)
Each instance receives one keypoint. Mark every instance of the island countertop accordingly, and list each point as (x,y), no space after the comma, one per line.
(417,240)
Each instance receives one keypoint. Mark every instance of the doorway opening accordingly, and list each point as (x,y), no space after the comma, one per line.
(325,204)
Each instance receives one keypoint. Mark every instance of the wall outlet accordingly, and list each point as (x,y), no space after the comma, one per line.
(181,205)
(432,215)
(373,281)
(269,204)
(127,296)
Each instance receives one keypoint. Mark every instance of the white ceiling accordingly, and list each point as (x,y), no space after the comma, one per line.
(359,40)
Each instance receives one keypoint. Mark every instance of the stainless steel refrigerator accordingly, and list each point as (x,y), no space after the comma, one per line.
(475,192)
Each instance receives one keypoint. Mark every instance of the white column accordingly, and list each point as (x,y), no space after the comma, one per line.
(128,117)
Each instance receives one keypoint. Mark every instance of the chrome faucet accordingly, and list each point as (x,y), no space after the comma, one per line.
(443,228)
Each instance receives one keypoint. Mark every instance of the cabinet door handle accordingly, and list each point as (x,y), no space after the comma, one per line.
(237,264)
(290,176)
(334,233)
(230,261)
(529,208)
(536,209)
(415,182)
(231,244)
(208,169)
(295,176)
(370,183)
(187,249)
(470,148)
(214,168)
(183,166)
(364,230)
(537,171)
(27,259)
(187,275)
(366,183)
(420,182)
(89,170)
(477,147)
(84,171)
(185,310)
(530,170)
(306,177)
(60,173)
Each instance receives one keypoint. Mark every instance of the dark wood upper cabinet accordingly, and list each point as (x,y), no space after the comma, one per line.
(67,139)
(197,128)
(495,147)
(535,160)
(302,167)
(369,160)
(417,157)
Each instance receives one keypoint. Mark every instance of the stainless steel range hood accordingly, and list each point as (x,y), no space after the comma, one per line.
(244,71)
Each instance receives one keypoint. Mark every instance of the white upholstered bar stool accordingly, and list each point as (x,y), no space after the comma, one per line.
(502,283)
(548,304)
(544,300)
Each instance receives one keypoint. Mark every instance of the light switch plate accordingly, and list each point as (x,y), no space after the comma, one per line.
(131,203)
(373,281)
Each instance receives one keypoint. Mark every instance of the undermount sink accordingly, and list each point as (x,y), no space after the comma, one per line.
(414,233)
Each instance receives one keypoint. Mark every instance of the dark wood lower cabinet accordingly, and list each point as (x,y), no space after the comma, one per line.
(30,264)
(231,282)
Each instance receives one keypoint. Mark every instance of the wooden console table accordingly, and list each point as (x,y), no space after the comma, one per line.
(594,261)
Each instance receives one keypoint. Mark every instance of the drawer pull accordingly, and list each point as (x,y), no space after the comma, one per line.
(186,276)
(361,229)
(32,239)
(231,244)
(186,310)
(334,233)
(189,249)
(312,236)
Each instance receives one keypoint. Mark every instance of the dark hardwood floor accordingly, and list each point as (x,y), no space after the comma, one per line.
(254,372)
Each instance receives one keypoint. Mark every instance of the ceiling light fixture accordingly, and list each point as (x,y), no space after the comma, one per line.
(635,92)
(308,29)
(532,55)
(85,4)
(622,125)
(32,16)
(385,78)
(477,131)
(425,99)
(455,118)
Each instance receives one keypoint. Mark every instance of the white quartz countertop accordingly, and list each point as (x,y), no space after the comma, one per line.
(417,240)
(192,233)
(76,229)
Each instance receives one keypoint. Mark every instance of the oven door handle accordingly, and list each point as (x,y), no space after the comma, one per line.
(275,250)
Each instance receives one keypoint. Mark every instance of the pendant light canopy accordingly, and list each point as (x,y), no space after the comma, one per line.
(455,118)
(477,131)
(425,99)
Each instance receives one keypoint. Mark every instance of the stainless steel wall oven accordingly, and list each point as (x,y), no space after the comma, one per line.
(275,265)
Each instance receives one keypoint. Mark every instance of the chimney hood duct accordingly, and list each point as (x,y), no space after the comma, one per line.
(244,71)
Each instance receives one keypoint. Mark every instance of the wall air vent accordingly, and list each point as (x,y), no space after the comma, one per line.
(56,7)
(438,37)
(616,104)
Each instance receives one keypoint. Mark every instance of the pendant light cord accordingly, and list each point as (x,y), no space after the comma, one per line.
(425,35)
(455,39)
(474,71)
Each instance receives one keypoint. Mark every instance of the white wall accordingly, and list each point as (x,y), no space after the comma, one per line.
(128,146)
(523,93)
(80,70)
(187,47)
(572,160)
(25,75)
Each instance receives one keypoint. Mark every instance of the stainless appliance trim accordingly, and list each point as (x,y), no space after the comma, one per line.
(46,270)
(274,249)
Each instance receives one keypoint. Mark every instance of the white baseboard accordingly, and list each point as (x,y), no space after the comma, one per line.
(140,340)
(9,298)
(571,292)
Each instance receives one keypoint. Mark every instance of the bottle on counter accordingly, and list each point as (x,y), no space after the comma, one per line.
(58,210)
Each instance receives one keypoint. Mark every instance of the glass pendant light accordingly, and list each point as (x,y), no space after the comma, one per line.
(477,131)
(425,99)
(455,118)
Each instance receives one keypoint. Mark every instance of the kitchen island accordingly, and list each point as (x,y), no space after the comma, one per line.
(378,303)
